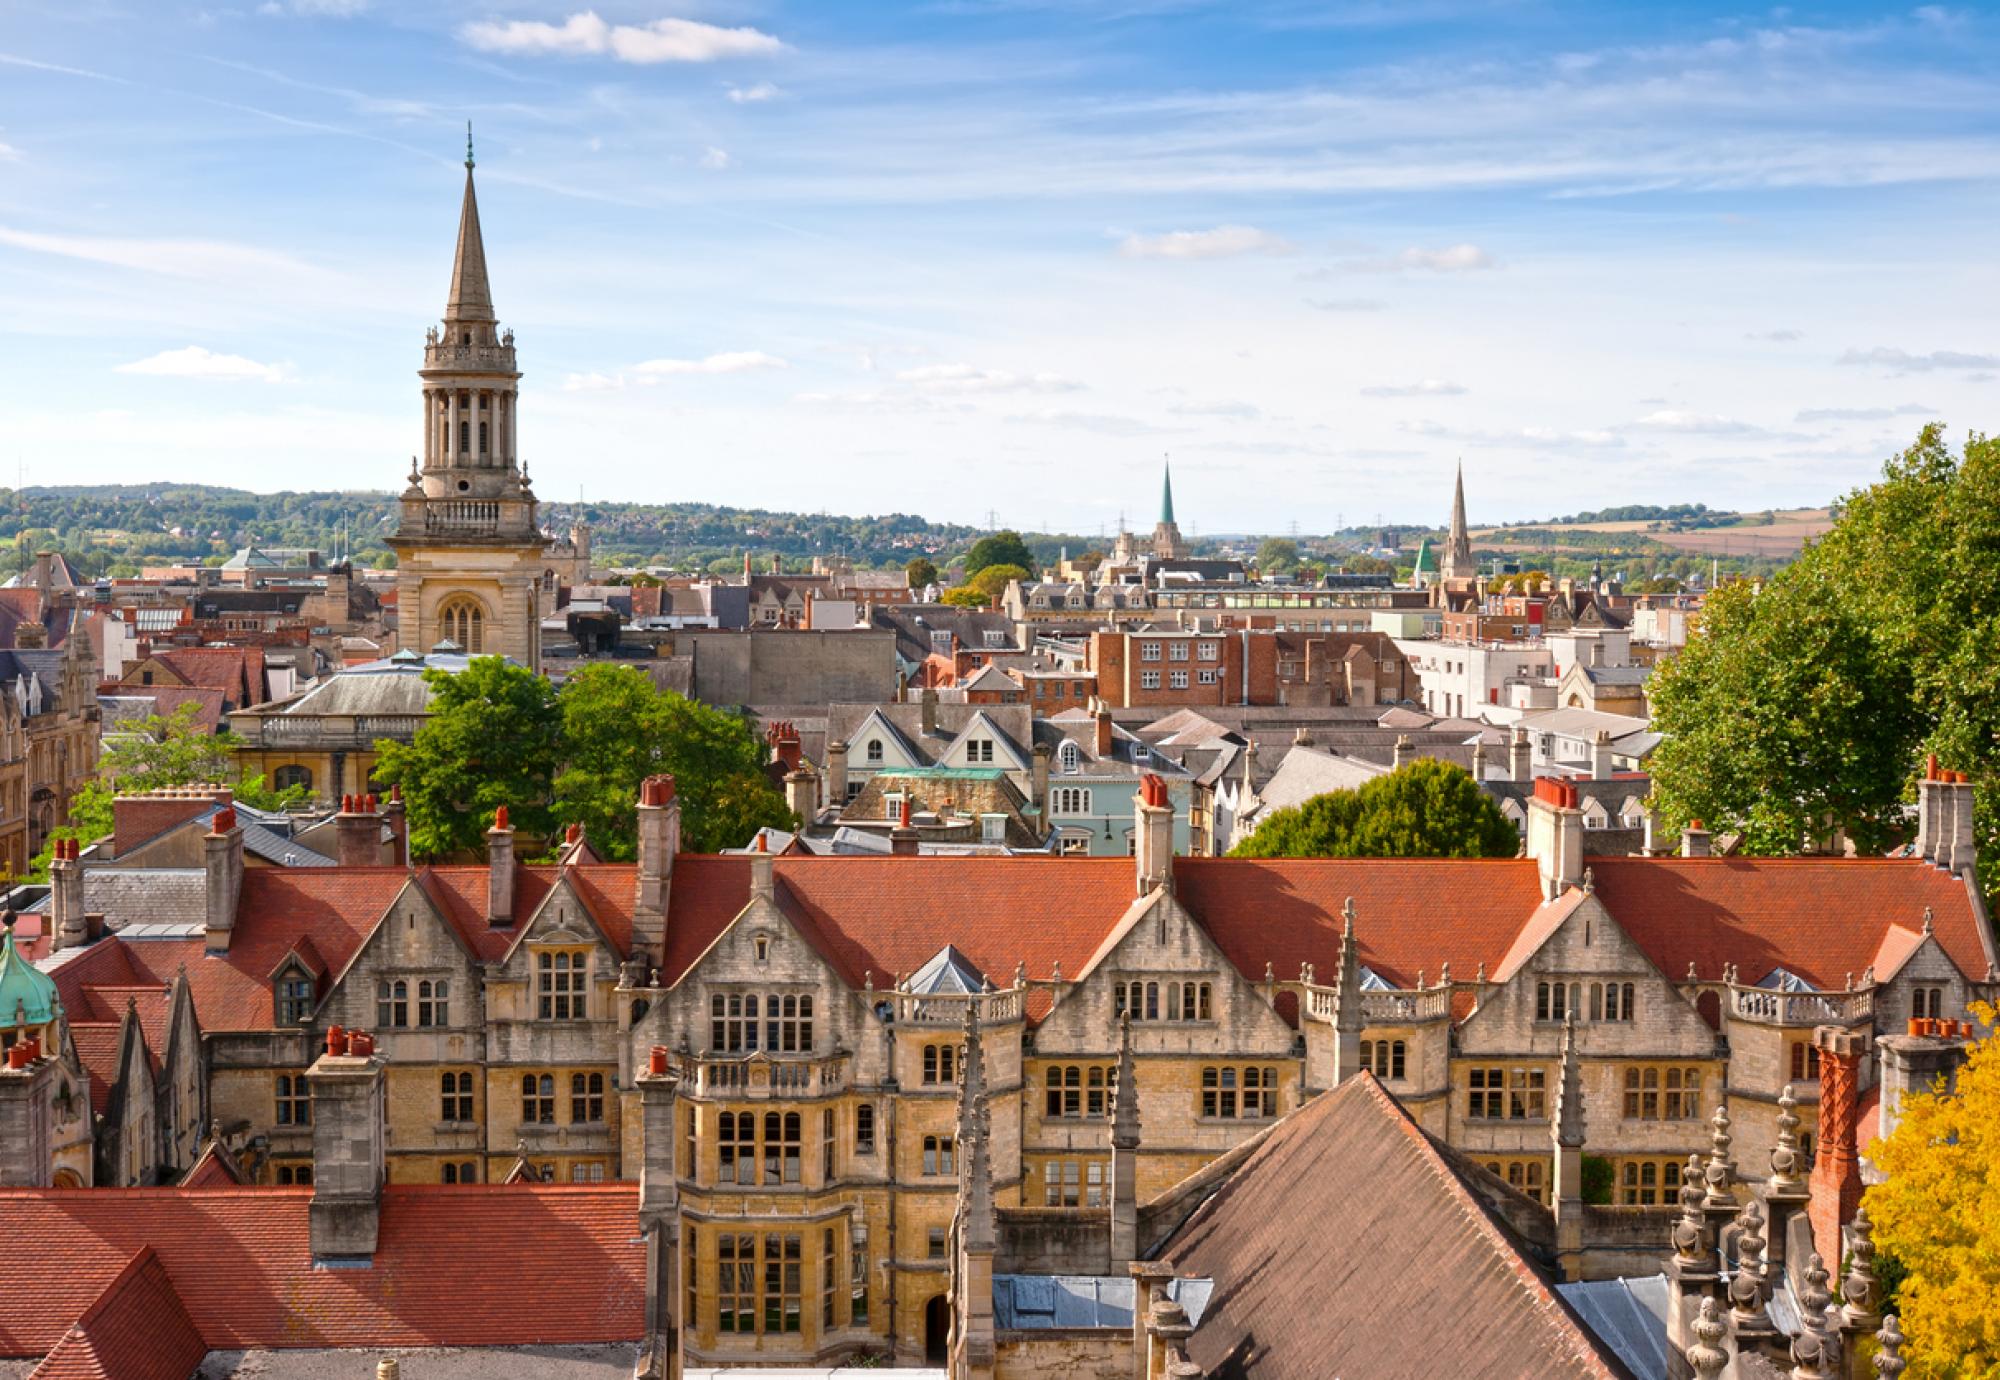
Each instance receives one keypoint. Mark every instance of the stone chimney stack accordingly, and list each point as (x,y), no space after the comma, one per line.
(1154,839)
(1961,849)
(1568,1128)
(1039,780)
(1600,756)
(358,832)
(1555,835)
(660,1216)
(1403,752)
(222,855)
(1931,1052)
(802,795)
(1930,806)
(836,773)
(659,841)
(927,704)
(1695,841)
(347,1114)
(762,884)
(27,1115)
(1479,760)
(1520,760)
(903,839)
(66,895)
(1125,1152)
(500,871)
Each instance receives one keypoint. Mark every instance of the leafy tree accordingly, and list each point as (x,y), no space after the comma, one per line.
(964,597)
(992,581)
(1368,565)
(493,738)
(921,572)
(1001,548)
(1807,706)
(1937,1219)
(1425,809)
(619,728)
(1275,553)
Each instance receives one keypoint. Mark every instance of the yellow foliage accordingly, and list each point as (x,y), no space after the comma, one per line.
(1937,1216)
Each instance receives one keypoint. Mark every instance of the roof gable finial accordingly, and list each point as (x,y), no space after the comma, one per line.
(468,146)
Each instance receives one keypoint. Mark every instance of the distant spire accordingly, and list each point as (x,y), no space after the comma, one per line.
(1458,549)
(1166,493)
(471,299)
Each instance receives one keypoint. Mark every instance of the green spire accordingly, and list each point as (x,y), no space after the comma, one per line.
(1167,495)
(26,993)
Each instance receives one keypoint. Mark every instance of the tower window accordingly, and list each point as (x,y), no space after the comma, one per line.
(465,436)
(463,622)
(465,337)
(482,438)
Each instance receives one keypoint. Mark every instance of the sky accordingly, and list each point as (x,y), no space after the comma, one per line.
(994,259)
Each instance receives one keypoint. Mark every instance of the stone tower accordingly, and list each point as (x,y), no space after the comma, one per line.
(468,548)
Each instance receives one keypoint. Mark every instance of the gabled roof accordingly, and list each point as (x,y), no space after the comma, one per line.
(1343,1226)
(948,971)
(240,1259)
(136,1329)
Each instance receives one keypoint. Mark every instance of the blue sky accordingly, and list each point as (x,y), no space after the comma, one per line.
(1001,255)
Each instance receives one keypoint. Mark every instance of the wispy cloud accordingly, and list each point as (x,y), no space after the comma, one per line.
(1231,410)
(1345,304)
(208,259)
(964,378)
(586,35)
(1457,258)
(1426,388)
(715,159)
(1689,423)
(335,9)
(1223,242)
(753,95)
(1102,423)
(729,362)
(1866,414)
(196,362)
(1779,337)
(1885,357)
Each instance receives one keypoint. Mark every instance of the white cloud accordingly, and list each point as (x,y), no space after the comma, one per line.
(963,378)
(1866,414)
(336,9)
(751,95)
(715,159)
(729,362)
(1693,423)
(592,383)
(217,259)
(1888,358)
(1346,304)
(586,35)
(1427,388)
(1780,337)
(1103,423)
(194,362)
(1235,411)
(1223,242)
(1458,258)
(8,153)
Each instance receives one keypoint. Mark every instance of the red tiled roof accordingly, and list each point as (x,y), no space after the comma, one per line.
(97,1050)
(167,700)
(460,892)
(136,1329)
(1343,1225)
(1822,918)
(154,1006)
(216,1168)
(1411,915)
(481,1265)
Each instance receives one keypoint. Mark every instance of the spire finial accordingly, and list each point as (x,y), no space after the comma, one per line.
(468,146)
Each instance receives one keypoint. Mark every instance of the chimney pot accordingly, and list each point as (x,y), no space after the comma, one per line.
(336,1040)
(500,818)
(656,1060)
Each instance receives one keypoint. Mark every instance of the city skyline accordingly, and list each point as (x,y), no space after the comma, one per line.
(832,258)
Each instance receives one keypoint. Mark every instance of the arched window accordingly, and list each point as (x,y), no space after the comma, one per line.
(286,777)
(464,622)
(1071,757)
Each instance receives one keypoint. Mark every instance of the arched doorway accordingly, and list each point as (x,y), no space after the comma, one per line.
(937,1331)
(67,1178)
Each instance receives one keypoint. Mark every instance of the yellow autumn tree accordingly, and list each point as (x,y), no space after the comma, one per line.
(1937,1220)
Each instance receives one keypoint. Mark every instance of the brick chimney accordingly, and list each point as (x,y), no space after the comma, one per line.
(399,828)
(783,737)
(659,841)
(222,856)
(500,871)
(137,818)
(762,887)
(836,774)
(358,832)
(1153,841)
(1555,835)
(66,896)
(347,1115)
(1520,758)
(1102,714)
(1695,841)
(1836,1175)
(903,838)
(927,704)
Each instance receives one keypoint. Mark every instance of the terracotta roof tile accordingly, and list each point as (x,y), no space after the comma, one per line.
(1822,918)
(135,1330)
(452,1266)
(97,1050)
(1346,1223)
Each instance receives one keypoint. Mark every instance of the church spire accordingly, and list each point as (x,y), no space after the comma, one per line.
(1458,562)
(1166,493)
(470,299)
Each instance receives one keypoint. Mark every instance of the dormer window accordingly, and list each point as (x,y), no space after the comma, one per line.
(979,750)
(1071,758)
(874,753)
(294,997)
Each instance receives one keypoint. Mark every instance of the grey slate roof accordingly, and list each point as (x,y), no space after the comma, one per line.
(156,895)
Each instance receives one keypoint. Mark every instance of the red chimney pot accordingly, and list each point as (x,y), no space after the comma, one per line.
(500,818)
(656,1060)
(336,1039)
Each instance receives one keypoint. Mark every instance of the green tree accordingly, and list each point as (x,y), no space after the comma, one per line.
(1277,554)
(1425,809)
(1807,706)
(964,597)
(992,581)
(618,728)
(1001,548)
(921,572)
(493,737)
